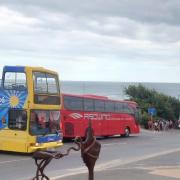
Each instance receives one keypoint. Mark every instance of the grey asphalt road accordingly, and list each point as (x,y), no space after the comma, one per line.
(150,155)
(161,167)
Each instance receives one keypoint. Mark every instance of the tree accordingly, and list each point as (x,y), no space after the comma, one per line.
(167,107)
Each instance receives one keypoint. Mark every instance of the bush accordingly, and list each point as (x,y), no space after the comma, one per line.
(167,107)
(144,120)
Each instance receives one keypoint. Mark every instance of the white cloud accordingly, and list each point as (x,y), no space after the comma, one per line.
(11,19)
(96,40)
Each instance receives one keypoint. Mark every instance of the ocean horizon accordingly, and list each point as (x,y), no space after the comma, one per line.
(115,90)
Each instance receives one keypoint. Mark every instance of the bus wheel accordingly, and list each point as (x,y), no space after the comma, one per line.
(127,132)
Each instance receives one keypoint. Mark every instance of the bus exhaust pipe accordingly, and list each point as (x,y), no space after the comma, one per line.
(90,150)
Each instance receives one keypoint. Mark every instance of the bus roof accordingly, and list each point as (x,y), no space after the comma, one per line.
(95,96)
(92,96)
(22,69)
(13,68)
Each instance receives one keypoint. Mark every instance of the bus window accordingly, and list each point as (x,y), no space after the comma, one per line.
(73,103)
(40,83)
(118,107)
(17,119)
(88,105)
(52,84)
(46,88)
(44,122)
(127,109)
(99,105)
(34,126)
(15,80)
(109,106)
(54,121)
(45,83)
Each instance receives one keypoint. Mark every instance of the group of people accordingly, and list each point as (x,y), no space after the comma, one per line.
(160,124)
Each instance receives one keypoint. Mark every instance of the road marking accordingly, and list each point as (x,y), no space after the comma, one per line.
(168,171)
(174,173)
(15,160)
(113,164)
(111,144)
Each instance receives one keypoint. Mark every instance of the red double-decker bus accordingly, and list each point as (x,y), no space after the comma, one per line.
(109,117)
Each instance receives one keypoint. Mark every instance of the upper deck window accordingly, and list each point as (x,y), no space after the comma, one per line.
(73,103)
(45,83)
(88,104)
(15,81)
(99,105)
(109,106)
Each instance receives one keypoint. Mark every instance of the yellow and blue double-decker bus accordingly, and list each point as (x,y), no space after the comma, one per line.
(29,109)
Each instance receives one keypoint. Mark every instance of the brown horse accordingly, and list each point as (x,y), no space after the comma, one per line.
(90,150)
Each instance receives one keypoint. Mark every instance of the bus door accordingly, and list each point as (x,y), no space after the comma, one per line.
(72,113)
(109,122)
(99,116)
(78,123)
(17,125)
(106,123)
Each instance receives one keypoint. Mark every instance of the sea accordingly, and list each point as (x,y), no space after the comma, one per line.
(116,90)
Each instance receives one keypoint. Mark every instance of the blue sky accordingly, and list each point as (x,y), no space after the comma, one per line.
(98,40)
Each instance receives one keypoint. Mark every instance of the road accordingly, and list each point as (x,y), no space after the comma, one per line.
(150,155)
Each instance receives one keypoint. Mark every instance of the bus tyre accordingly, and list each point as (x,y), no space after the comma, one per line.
(127,132)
